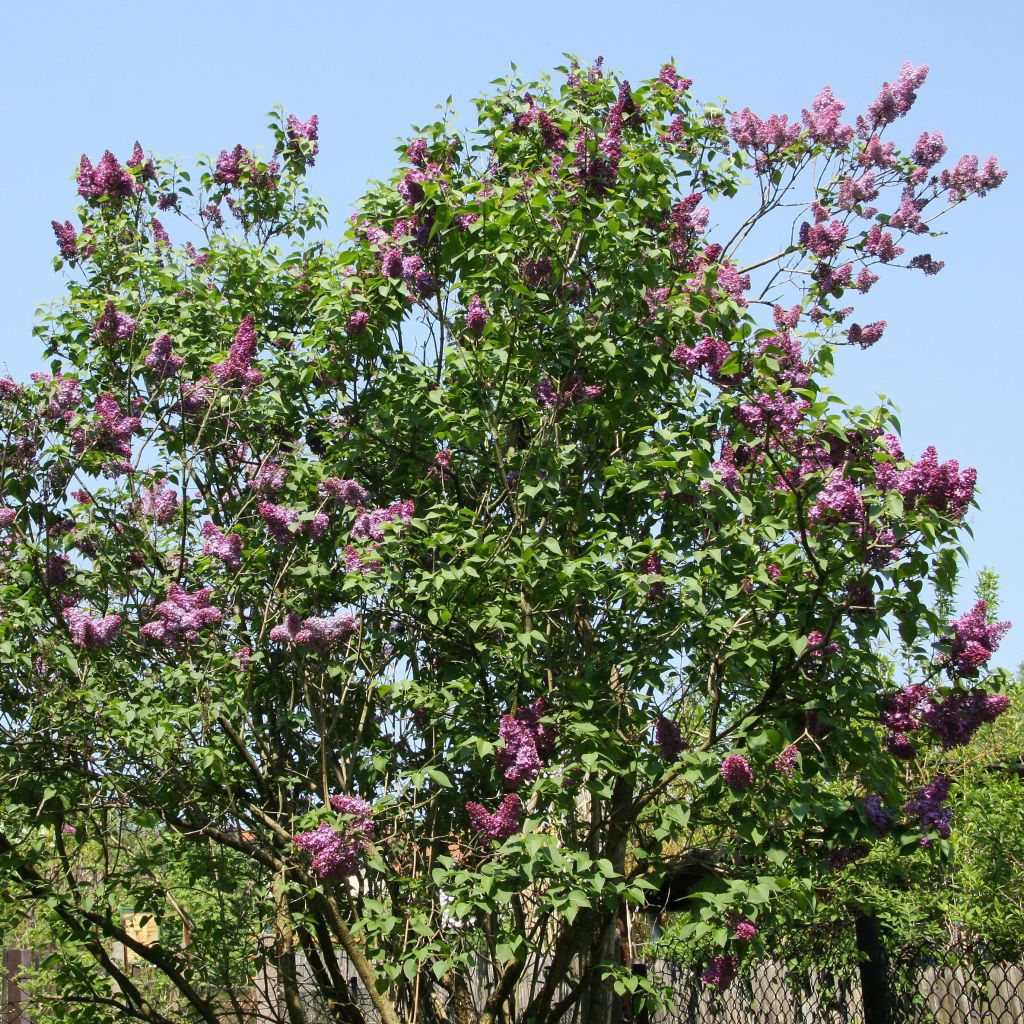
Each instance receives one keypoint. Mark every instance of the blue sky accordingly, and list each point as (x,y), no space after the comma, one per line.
(188,77)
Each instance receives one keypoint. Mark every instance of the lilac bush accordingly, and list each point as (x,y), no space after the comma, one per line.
(457,579)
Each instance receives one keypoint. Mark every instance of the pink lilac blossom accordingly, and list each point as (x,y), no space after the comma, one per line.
(865,279)
(882,244)
(929,149)
(908,215)
(159,503)
(823,240)
(778,412)
(228,169)
(112,324)
(749,132)
(670,76)
(786,351)
(67,238)
(357,322)
(417,151)
(335,851)
(877,153)
(357,561)
(708,356)
(786,319)
(238,368)
(476,316)
(816,646)
(182,616)
(893,101)
(573,392)
(160,236)
(304,131)
(785,762)
(721,971)
(371,524)
(224,546)
(344,492)
(854,192)
(278,520)
(965,179)
(196,396)
(518,760)
(975,640)
(316,632)
(736,772)
(161,357)
(268,479)
(725,469)
(391,263)
(941,486)
(91,633)
(500,825)
(838,502)
(823,120)
(744,930)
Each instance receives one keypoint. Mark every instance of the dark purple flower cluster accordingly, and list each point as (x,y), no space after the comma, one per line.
(721,971)
(878,817)
(112,324)
(506,821)
(67,238)
(107,179)
(866,336)
(956,717)
(90,633)
(941,486)
(928,807)
(669,739)
(476,316)
(818,648)
(225,546)
(573,392)
(736,772)
(823,240)
(356,323)
(181,616)
(779,412)
(975,640)
(238,368)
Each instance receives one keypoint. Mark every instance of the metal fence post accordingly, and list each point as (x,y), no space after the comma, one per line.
(874,971)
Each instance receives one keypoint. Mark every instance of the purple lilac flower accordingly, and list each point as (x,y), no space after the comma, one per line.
(721,971)
(112,324)
(306,131)
(500,825)
(823,240)
(90,633)
(225,546)
(708,356)
(181,616)
(823,120)
(878,817)
(736,772)
(278,520)
(336,850)
(344,492)
(975,640)
(356,561)
(942,487)
(372,523)
(744,930)
(893,101)
(159,502)
(669,739)
(882,244)
(838,502)
(518,760)
(161,357)
(238,368)
(965,179)
(417,151)
(160,236)
(925,262)
(816,646)
(108,178)
(956,717)
(785,762)
(927,807)
(476,316)
(268,479)
(67,238)
(319,633)
(357,322)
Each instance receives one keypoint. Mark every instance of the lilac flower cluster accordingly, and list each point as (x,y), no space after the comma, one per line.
(269,478)
(344,492)
(941,486)
(356,323)
(182,616)
(965,179)
(112,324)
(669,738)
(528,744)
(111,432)
(816,646)
(318,633)
(928,807)
(736,772)
(824,120)
(238,368)
(573,392)
(867,335)
(162,359)
(91,633)
(779,412)
(476,316)
(360,562)
(67,393)
(506,821)
(878,817)
(335,850)
(744,930)
(786,761)
(823,240)
(159,502)
(371,524)
(721,971)
(67,238)
(838,502)
(893,101)
(108,178)
(975,640)
(304,131)
(956,717)
(749,132)
(708,356)
(278,521)
(225,546)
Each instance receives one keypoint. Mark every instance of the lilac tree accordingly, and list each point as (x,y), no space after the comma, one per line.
(435,593)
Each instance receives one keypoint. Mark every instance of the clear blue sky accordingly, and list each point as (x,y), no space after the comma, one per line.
(190,77)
